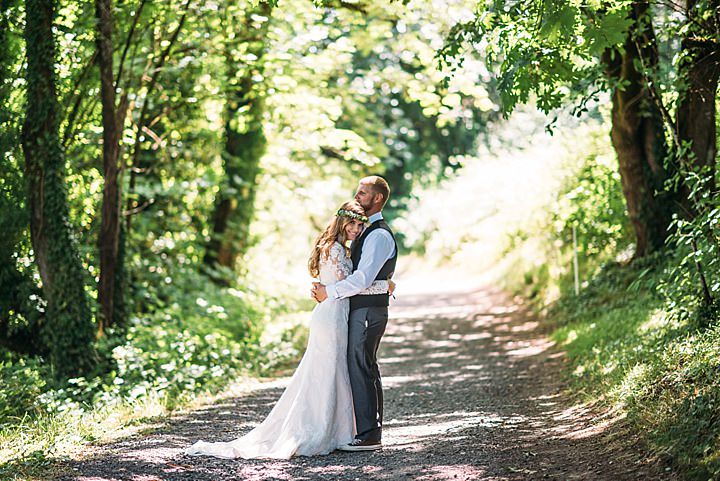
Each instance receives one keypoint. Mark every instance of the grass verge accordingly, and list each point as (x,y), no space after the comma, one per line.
(630,347)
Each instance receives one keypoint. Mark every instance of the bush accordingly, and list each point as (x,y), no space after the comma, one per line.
(628,347)
(23,381)
(199,337)
(590,201)
(639,336)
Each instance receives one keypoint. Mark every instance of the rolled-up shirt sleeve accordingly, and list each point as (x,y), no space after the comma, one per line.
(377,249)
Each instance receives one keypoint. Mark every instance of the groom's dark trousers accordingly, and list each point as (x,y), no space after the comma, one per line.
(366,326)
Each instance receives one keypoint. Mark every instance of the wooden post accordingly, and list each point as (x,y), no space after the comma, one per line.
(575,262)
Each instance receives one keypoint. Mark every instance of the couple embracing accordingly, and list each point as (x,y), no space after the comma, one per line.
(334,399)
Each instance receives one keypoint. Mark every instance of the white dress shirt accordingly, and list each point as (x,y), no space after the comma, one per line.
(378,247)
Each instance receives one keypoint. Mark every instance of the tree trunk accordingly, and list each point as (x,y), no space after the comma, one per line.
(637,136)
(109,291)
(245,144)
(696,110)
(68,330)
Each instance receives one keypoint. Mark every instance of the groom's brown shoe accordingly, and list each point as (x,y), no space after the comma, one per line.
(361,445)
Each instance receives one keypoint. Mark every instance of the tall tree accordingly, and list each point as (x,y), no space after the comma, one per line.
(699,70)
(563,52)
(637,133)
(68,329)
(151,111)
(114,112)
(245,140)
(110,290)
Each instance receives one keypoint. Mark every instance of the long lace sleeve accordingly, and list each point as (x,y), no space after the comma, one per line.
(377,287)
(337,266)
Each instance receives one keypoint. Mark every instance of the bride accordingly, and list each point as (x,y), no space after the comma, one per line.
(315,413)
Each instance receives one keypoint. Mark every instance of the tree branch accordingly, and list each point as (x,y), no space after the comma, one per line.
(77,95)
(656,95)
(128,41)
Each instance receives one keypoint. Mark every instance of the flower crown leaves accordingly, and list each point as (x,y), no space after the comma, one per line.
(352,215)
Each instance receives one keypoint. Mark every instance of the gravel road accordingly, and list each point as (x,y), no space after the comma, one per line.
(473,390)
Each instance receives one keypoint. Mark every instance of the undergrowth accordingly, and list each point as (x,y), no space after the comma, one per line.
(637,336)
(661,368)
(194,340)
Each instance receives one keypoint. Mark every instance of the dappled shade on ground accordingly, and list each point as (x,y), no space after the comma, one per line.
(472,391)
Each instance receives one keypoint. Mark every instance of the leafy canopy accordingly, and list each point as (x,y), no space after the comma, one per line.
(543,50)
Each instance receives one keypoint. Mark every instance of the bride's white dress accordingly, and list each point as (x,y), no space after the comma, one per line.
(315,414)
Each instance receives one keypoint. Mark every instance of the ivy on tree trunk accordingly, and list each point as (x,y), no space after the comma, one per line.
(68,331)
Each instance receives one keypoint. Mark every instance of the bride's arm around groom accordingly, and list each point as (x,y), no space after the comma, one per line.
(374,254)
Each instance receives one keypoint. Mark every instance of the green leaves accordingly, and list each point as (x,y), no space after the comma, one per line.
(557,22)
(546,51)
(603,31)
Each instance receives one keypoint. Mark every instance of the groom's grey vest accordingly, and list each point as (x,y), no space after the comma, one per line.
(386,271)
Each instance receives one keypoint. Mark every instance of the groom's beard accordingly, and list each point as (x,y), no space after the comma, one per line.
(366,206)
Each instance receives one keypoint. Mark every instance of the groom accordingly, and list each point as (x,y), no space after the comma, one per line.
(374,254)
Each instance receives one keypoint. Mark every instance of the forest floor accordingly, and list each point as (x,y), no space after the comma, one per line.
(474,389)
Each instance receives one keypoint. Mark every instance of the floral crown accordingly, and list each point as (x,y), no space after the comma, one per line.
(352,215)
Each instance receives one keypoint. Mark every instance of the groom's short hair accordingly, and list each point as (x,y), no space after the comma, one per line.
(379,186)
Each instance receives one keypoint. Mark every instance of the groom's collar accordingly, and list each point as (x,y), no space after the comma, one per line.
(375,217)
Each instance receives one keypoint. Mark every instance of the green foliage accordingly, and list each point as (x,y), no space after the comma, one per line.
(591,200)
(244,136)
(67,331)
(20,298)
(24,380)
(423,124)
(692,286)
(13,220)
(637,337)
(183,346)
(626,345)
(547,51)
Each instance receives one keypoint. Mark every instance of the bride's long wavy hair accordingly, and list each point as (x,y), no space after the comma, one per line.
(334,231)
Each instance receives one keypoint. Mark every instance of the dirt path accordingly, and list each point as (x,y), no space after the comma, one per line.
(472,391)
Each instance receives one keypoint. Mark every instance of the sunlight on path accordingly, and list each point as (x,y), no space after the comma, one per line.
(472,391)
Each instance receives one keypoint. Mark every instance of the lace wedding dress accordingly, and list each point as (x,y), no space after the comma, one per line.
(315,414)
